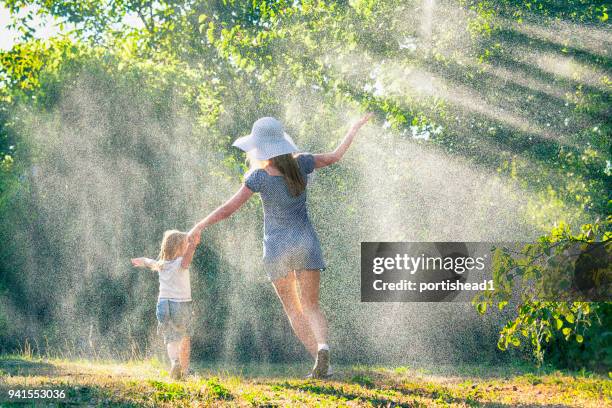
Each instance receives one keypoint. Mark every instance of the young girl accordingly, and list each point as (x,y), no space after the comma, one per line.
(292,254)
(174,309)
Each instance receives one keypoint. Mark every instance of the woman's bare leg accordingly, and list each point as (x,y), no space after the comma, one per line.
(308,289)
(286,289)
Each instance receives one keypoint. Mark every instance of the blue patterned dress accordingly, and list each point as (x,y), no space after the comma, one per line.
(290,242)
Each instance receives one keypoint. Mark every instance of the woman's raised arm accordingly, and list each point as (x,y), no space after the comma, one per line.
(223,211)
(325,159)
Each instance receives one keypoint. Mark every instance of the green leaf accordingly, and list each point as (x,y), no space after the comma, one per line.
(210,33)
(482,308)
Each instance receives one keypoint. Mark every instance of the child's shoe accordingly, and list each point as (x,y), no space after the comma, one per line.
(176,373)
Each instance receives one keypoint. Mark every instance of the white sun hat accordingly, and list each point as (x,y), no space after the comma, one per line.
(267,140)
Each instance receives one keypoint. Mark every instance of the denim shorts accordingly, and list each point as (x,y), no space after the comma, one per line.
(174,319)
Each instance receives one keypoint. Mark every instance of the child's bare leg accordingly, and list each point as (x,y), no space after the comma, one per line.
(173,350)
(185,351)
(174,354)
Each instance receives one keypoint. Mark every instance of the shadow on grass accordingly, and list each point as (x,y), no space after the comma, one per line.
(17,366)
(383,395)
(342,391)
(62,391)
(396,387)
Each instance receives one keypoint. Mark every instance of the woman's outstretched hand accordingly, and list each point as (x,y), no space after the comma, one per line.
(325,159)
(364,119)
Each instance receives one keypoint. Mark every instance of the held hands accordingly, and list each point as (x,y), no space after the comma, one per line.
(194,236)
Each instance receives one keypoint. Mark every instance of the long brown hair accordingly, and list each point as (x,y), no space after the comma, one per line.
(290,170)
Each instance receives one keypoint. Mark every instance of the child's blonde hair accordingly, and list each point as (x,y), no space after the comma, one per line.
(171,244)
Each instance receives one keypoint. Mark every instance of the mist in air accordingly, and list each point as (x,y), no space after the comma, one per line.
(114,164)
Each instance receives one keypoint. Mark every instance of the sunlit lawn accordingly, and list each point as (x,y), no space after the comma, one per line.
(147,383)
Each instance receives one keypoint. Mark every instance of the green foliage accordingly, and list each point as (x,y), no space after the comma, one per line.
(575,10)
(363,380)
(218,65)
(575,333)
(138,384)
(166,392)
(217,390)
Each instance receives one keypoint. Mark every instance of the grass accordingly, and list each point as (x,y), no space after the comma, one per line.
(146,383)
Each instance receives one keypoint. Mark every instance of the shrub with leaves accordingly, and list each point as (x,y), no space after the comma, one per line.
(544,274)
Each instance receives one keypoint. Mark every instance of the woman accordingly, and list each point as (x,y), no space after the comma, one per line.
(292,254)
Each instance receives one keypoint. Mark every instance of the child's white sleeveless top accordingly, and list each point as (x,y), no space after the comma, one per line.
(174,283)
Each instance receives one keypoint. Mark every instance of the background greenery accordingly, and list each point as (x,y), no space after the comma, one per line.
(111,134)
